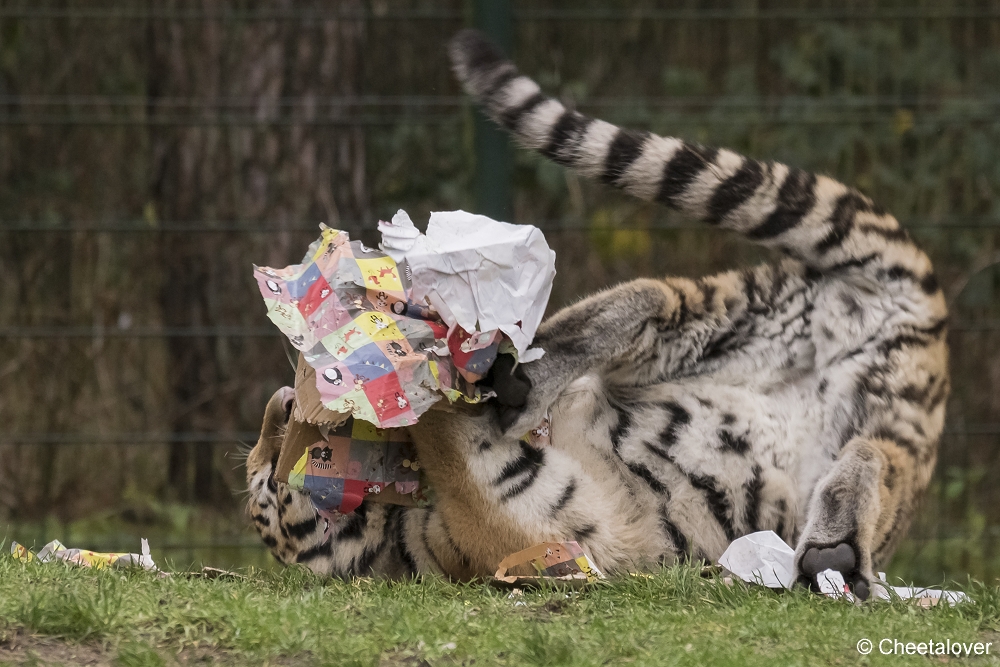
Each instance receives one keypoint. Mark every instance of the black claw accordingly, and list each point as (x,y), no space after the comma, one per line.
(860,589)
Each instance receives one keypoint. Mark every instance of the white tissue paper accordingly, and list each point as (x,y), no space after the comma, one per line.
(478,273)
(761,558)
(398,236)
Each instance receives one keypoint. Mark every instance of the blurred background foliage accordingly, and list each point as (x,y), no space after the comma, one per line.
(151,152)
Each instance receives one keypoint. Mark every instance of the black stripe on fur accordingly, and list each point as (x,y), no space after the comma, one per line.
(624,150)
(735,191)
(530,459)
(796,198)
(646,475)
(511,117)
(565,136)
(685,165)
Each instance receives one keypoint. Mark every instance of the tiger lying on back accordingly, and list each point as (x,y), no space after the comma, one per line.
(806,397)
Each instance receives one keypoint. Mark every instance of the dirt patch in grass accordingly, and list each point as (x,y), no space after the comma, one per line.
(18,647)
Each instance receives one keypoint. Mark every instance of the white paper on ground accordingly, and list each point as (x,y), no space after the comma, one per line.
(482,274)
(915,592)
(761,558)
(764,558)
(832,584)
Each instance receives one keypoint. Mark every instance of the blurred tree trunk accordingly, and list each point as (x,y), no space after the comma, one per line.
(251,158)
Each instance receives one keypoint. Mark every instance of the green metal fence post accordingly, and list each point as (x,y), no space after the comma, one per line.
(494,161)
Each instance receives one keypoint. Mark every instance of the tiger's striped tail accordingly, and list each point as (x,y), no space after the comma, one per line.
(815,219)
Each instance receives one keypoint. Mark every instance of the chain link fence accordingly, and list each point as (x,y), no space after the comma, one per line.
(151,152)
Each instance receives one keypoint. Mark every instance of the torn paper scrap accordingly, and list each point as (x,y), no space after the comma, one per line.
(378,355)
(563,562)
(832,584)
(761,558)
(925,597)
(55,550)
(398,236)
(484,275)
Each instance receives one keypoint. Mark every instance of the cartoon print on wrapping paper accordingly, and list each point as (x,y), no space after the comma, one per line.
(315,295)
(391,410)
(321,453)
(329,458)
(353,331)
(369,361)
(421,335)
(399,353)
(299,287)
(357,458)
(473,354)
(326,493)
(330,317)
(381,273)
(539,436)
(334,381)
(333,245)
(378,326)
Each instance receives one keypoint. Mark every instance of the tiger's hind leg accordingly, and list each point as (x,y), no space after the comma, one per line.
(497,494)
(860,511)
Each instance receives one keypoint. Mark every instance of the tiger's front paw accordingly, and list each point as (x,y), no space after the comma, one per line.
(843,558)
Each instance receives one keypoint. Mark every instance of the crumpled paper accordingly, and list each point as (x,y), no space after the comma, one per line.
(387,338)
(761,558)
(55,550)
(764,558)
(485,275)
(563,562)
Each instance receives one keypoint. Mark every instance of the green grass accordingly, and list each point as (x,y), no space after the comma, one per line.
(53,612)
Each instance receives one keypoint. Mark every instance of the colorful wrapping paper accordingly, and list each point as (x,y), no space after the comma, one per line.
(353,460)
(379,356)
(563,562)
(55,550)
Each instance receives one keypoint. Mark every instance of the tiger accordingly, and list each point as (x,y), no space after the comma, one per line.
(804,396)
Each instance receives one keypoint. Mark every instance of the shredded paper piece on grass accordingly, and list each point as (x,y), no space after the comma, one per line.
(764,558)
(562,562)
(388,337)
(55,550)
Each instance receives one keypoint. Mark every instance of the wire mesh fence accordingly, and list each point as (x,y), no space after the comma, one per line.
(151,153)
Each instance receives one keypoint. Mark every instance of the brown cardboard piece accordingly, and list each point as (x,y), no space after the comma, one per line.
(308,405)
(521,569)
